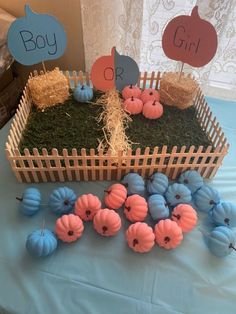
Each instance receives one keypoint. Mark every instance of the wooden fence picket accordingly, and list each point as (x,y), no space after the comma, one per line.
(48,164)
(39,164)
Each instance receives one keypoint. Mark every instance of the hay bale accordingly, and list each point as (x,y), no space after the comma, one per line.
(49,89)
(177,92)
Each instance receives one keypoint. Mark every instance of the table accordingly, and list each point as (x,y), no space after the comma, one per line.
(99,275)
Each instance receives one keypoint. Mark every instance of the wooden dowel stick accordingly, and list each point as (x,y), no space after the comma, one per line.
(181,70)
(44,68)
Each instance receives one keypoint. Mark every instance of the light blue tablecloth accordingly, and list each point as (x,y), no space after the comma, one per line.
(98,275)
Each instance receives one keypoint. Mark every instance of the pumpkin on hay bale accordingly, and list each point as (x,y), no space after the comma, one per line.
(178,91)
(48,89)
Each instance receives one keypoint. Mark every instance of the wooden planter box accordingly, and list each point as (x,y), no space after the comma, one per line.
(50,166)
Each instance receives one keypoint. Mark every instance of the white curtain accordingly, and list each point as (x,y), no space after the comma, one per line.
(136,27)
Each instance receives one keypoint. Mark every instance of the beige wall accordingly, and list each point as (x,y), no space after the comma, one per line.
(69,14)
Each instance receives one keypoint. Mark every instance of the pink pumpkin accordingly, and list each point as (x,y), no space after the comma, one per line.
(131,91)
(115,196)
(185,216)
(140,237)
(107,222)
(69,228)
(136,208)
(86,206)
(133,105)
(150,94)
(152,110)
(168,234)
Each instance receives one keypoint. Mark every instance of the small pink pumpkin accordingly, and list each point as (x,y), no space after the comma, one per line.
(152,110)
(168,234)
(133,105)
(86,206)
(149,94)
(185,216)
(130,91)
(136,208)
(69,228)
(107,222)
(115,196)
(140,237)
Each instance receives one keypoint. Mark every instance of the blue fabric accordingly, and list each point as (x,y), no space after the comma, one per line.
(99,275)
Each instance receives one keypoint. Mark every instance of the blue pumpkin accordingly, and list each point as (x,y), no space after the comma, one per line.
(30,201)
(41,242)
(224,214)
(192,180)
(83,93)
(62,200)
(157,183)
(178,193)
(134,184)
(221,241)
(206,198)
(158,207)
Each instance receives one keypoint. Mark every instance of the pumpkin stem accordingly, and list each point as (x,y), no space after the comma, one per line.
(128,208)
(176,216)
(104,229)
(135,241)
(232,247)
(19,199)
(166,240)
(107,191)
(151,93)
(132,98)
(88,212)
(194,12)
(70,233)
(131,86)
(212,202)
(43,227)
(82,87)
(154,103)
(226,221)
(66,202)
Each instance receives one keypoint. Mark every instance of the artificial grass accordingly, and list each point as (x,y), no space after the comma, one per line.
(74,125)
(176,127)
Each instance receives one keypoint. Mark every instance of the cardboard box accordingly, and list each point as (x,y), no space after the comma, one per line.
(9,99)
(5,79)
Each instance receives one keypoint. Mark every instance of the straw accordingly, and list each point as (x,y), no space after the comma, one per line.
(115,121)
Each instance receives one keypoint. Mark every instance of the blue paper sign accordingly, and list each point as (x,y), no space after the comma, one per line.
(36,38)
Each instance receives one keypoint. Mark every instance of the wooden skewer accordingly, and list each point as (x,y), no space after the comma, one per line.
(44,68)
(181,70)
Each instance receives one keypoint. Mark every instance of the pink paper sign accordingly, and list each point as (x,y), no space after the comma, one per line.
(190,39)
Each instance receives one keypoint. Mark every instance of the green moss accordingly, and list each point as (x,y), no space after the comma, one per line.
(74,125)
(175,128)
(70,125)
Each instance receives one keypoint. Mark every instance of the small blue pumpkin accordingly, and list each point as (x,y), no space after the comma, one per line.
(178,193)
(30,201)
(224,214)
(206,198)
(192,180)
(221,241)
(157,183)
(134,184)
(62,200)
(83,93)
(158,207)
(41,243)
